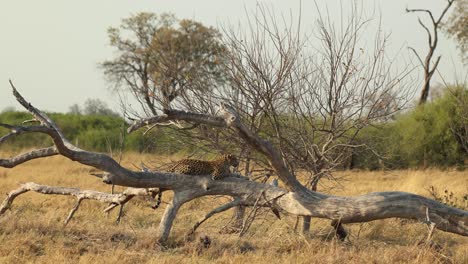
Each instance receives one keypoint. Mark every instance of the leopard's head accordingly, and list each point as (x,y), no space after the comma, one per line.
(231,160)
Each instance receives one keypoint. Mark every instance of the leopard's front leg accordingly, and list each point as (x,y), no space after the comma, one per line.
(216,175)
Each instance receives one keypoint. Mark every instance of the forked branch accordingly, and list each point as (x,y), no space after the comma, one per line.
(114,199)
(433,38)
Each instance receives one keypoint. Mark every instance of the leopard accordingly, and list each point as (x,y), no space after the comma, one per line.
(218,169)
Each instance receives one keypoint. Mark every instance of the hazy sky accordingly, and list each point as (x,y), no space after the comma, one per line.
(51,48)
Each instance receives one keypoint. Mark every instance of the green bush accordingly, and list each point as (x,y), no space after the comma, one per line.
(91,132)
(422,137)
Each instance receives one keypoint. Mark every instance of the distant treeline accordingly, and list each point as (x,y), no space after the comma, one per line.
(431,135)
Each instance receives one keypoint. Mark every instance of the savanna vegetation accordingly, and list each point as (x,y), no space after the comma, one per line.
(431,135)
(102,133)
(328,125)
(33,231)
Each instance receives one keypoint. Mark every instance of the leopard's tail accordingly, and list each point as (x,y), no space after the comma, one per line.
(158,200)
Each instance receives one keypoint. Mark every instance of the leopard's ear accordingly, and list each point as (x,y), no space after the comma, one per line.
(229,157)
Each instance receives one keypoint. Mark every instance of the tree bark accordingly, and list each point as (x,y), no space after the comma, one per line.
(239,211)
(114,199)
(238,216)
(306,224)
(167,220)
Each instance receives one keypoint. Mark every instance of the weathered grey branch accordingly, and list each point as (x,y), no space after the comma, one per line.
(115,199)
(168,217)
(73,210)
(181,116)
(417,55)
(18,130)
(217,210)
(34,154)
(344,209)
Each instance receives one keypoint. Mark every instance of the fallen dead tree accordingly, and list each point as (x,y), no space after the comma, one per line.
(294,198)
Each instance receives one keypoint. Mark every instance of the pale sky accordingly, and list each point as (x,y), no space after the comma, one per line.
(51,48)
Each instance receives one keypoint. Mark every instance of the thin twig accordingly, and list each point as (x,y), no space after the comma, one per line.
(72,212)
(213,212)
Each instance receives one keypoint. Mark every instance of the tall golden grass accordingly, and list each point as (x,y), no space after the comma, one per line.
(33,231)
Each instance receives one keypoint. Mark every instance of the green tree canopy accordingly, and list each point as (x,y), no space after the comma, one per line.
(160,58)
(97,107)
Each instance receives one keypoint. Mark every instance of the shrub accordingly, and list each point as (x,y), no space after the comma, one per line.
(422,137)
(91,132)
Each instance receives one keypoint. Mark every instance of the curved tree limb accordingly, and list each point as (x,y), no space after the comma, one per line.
(217,210)
(168,217)
(34,154)
(18,130)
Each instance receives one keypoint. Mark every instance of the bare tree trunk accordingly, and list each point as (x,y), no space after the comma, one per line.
(238,219)
(114,199)
(425,89)
(429,69)
(306,220)
(167,220)
(306,224)
(239,211)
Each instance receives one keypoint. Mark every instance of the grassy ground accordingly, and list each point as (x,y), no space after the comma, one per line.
(33,230)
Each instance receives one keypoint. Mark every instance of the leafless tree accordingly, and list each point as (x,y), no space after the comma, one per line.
(433,39)
(309,96)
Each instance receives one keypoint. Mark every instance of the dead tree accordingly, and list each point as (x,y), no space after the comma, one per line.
(432,38)
(310,97)
(294,199)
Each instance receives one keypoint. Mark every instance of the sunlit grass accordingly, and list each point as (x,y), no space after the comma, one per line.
(33,230)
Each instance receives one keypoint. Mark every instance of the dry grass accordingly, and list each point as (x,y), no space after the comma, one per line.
(33,231)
